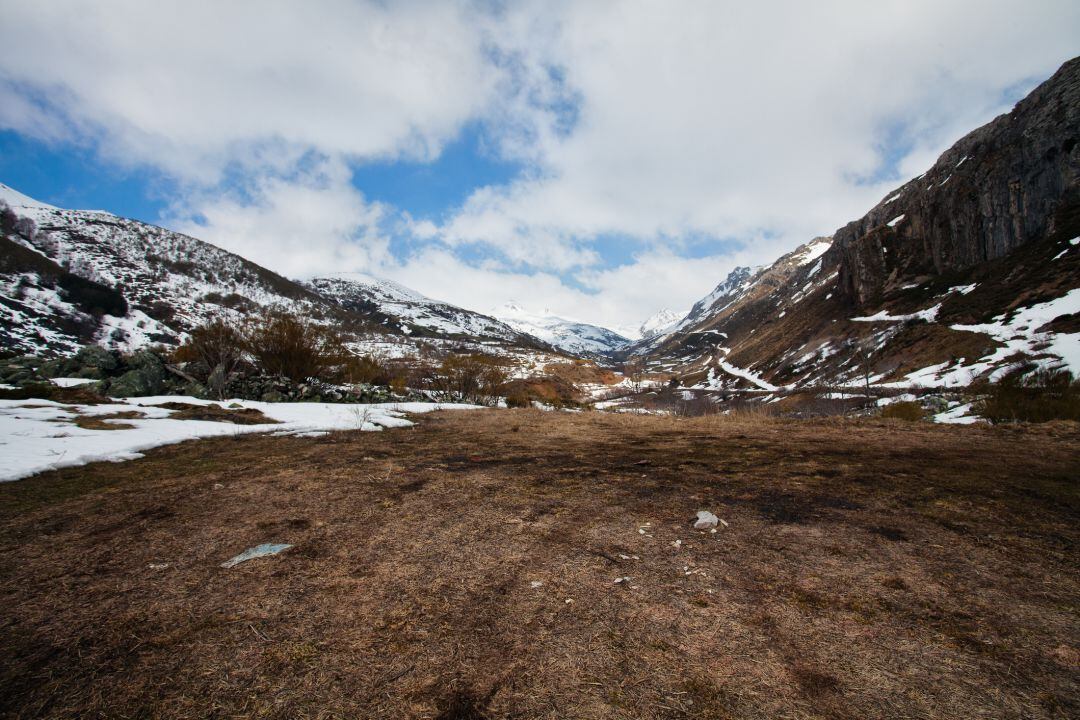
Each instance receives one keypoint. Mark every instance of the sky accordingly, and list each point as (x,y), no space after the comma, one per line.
(598,160)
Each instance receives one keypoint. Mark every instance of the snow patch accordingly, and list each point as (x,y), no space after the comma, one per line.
(38,435)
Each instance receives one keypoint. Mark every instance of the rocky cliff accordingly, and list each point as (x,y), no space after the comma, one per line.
(1011,181)
(967,272)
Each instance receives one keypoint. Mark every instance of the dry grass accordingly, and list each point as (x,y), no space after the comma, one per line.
(106,422)
(215,413)
(868,569)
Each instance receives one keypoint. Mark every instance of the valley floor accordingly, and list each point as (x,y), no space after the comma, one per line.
(542,565)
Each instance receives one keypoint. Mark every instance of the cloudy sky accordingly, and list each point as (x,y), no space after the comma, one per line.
(599,159)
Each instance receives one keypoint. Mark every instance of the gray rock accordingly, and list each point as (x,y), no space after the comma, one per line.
(705,520)
(999,187)
(96,357)
(147,377)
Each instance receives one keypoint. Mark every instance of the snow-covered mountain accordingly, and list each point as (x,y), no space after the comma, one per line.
(576,338)
(72,277)
(660,323)
(401,309)
(68,277)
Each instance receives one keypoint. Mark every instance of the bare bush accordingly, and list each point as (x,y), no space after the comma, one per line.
(285,344)
(1041,396)
(478,379)
(217,349)
(907,410)
(367,370)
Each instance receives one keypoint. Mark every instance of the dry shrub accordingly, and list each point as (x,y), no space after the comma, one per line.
(216,343)
(908,410)
(479,379)
(518,399)
(548,389)
(1039,397)
(285,344)
(367,370)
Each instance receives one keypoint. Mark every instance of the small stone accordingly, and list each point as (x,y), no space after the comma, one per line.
(705,520)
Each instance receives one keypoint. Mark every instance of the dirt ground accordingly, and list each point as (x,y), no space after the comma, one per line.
(467,567)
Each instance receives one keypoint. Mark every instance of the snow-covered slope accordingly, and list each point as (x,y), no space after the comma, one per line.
(16,199)
(660,323)
(68,277)
(570,336)
(72,277)
(402,309)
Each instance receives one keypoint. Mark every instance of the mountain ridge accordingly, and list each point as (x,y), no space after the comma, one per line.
(927,285)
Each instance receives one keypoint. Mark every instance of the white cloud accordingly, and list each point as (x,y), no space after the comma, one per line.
(764,123)
(729,120)
(192,86)
(311,223)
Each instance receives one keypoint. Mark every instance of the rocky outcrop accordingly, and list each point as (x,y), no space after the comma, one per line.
(1008,183)
(921,285)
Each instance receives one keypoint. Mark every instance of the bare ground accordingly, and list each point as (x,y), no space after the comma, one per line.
(868,569)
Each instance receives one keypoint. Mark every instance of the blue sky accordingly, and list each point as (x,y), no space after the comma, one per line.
(600,160)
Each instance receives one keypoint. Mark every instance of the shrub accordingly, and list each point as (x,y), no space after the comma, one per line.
(1038,397)
(366,370)
(285,344)
(161,311)
(907,410)
(518,399)
(479,379)
(218,349)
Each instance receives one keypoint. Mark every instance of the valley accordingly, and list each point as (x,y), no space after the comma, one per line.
(404,415)
(497,563)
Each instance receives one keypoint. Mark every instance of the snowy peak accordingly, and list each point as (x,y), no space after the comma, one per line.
(659,324)
(16,199)
(571,336)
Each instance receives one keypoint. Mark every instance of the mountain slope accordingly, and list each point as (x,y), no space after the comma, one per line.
(660,323)
(967,272)
(72,277)
(403,310)
(576,338)
(68,277)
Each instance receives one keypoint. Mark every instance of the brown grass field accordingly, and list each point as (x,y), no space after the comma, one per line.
(869,569)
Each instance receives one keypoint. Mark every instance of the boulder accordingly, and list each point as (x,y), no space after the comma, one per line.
(94,358)
(146,377)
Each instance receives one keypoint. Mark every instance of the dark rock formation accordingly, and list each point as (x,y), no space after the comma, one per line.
(1008,183)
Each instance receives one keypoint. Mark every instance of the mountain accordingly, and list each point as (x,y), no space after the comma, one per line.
(72,277)
(660,323)
(69,277)
(403,310)
(965,273)
(576,338)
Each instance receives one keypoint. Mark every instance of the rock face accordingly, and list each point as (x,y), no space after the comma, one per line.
(930,287)
(1011,181)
